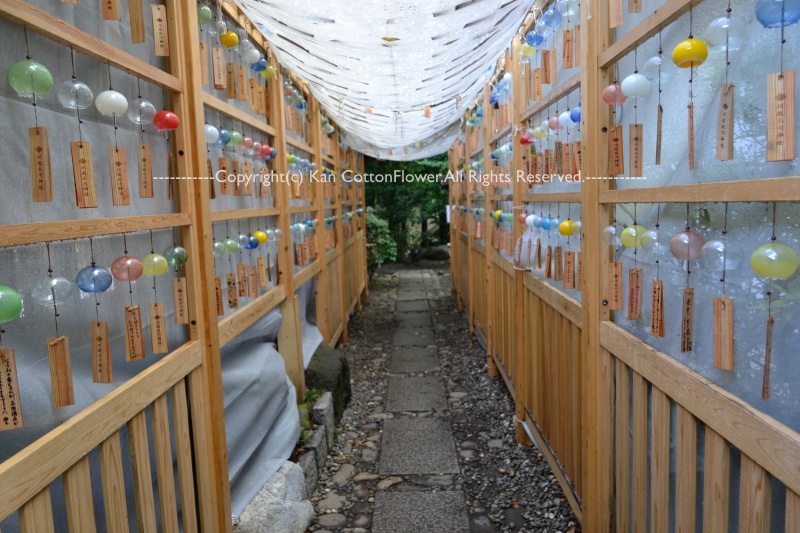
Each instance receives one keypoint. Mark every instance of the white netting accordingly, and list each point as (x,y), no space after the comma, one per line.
(392,58)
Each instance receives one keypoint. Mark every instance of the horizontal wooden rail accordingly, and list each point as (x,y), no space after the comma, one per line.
(237,114)
(300,145)
(765,190)
(504,264)
(563,304)
(331,255)
(476,152)
(31,470)
(55,29)
(297,209)
(500,134)
(501,197)
(328,160)
(64,230)
(553,96)
(563,197)
(661,17)
(759,436)
(349,242)
(302,277)
(235,323)
(505,375)
(240,214)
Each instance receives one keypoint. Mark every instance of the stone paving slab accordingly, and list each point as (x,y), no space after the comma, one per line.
(410,320)
(413,336)
(415,393)
(412,305)
(418,446)
(414,359)
(420,512)
(411,294)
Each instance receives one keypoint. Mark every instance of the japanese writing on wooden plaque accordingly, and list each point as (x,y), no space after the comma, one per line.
(83,174)
(41,172)
(60,371)
(569,270)
(110,9)
(10,401)
(615,285)
(780,115)
(635,294)
(134,334)
(218,67)
(102,371)
(158,328)
(218,295)
(179,301)
(725,123)
(119,176)
(241,271)
(160,33)
(687,320)
(657,309)
(145,162)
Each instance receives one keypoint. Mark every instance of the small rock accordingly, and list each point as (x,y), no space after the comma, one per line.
(332,501)
(368,455)
(332,520)
(343,474)
(365,476)
(495,443)
(458,395)
(388,482)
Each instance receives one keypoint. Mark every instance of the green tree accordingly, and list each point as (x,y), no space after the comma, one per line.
(409,206)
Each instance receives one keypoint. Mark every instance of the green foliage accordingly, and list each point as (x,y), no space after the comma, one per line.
(312,395)
(378,234)
(408,206)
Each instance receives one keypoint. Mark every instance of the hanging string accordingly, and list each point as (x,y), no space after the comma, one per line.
(96,303)
(691,68)
(658,236)
(125,252)
(783,32)
(569,217)
(28,57)
(773,239)
(688,263)
(52,289)
(635,248)
(139,91)
(660,58)
(636,98)
(77,108)
(228,236)
(724,248)
(727,58)
(152,251)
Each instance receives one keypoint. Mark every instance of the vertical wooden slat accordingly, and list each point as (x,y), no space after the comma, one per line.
(36,516)
(792,520)
(686,469)
(659,462)
(754,497)
(566,384)
(78,497)
(180,416)
(164,472)
(622,422)
(113,484)
(578,382)
(142,480)
(716,483)
(640,453)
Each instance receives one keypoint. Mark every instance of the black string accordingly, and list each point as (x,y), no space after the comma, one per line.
(96,303)
(28,57)
(52,288)
(727,54)
(125,251)
(688,248)
(724,248)
(635,236)
(658,244)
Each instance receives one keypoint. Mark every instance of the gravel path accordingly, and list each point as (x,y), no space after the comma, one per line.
(497,484)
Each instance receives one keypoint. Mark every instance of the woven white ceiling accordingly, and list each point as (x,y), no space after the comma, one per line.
(393,58)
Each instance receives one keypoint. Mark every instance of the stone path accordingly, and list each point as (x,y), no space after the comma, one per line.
(408,457)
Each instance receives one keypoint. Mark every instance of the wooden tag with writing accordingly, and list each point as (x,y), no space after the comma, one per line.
(237,187)
(578,45)
(252,94)
(134,334)
(687,321)
(558,258)
(212,190)
(634,6)
(119,176)
(545,66)
(136,13)
(252,288)
(248,184)
(548,161)
(548,262)
(241,82)
(145,165)
(241,271)
(204,75)
(160,32)
(158,328)
(110,9)
(569,50)
(541,164)
(262,273)
(616,152)
(659,121)
(179,300)
(723,333)
(635,148)
(566,159)
(537,84)
(264,188)
(614,13)
(10,399)
(41,171)
(60,371)
(269,269)
(657,309)
(569,270)
(635,294)
(691,135)
(553,68)
(558,158)
(102,372)
(218,294)
(765,392)
(577,156)
(725,123)
(224,169)
(615,285)
(538,253)
(218,67)
(230,79)
(780,115)
(261,100)
(83,175)
(579,279)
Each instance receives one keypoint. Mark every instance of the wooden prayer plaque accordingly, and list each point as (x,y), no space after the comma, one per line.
(204,74)
(537,84)
(687,321)
(261,100)
(725,123)
(158,328)
(538,253)
(545,66)
(577,155)
(262,273)
(10,399)
(179,300)
(230,79)
(241,82)
(136,13)
(41,171)
(110,9)
(569,270)
(212,190)
(635,294)
(218,294)
(248,185)
(252,288)
(657,309)
(765,392)
(60,371)
(635,143)
(780,116)
(548,262)
(252,94)
(118,164)
(160,32)
(218,67)
(634,6)
(559,264)
(723,333)
(569,51)
(134,334)
(615,286)
(616,152)
(83,174)
(146,189)
(237,187)
(102,372)
(224,169)
(241,271)
(614,13)
(579,281)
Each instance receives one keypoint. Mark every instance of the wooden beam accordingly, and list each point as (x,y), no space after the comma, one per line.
(563,197)
(304,276)
(553,96)
(290,344)
(760,190)
(300,145)
(237,114)
(238,214)
(244,317)
(563,304)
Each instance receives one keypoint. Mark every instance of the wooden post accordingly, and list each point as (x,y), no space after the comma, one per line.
(469,149)
(340,235)
(486,131)
(596,362)
(321,281)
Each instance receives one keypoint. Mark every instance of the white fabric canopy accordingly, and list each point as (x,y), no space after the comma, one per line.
(392,58)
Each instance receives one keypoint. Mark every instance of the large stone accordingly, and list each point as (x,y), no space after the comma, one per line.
(318,445)
(329,370)
(420,512)
(413,336)
(418,393)
(418,446)
(308,463)
(281,505)
(343,474)
(414,359)
(322,414)
(413,306)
